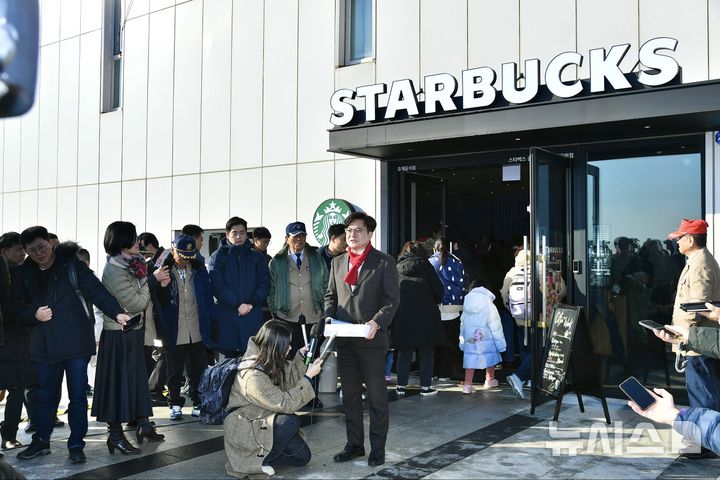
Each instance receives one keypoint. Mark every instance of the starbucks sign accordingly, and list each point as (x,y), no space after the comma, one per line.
(329,212)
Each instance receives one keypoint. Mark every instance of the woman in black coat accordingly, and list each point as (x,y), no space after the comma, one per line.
(417,323)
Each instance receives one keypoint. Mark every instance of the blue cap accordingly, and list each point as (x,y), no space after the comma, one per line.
(295,228)
(185,245)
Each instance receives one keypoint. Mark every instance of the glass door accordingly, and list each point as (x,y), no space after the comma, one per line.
(550,227)
(422,213)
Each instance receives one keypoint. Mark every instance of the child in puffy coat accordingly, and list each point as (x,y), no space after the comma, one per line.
(481,336)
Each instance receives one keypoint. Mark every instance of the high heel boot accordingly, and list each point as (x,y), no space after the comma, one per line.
(148,431)
(117,440)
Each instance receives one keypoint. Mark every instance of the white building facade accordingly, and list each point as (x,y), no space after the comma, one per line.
(224,105)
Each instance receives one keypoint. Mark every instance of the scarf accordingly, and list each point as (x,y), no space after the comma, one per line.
(356,259)
(135,265)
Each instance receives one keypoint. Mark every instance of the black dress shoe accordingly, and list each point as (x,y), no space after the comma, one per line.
(349,452)
(58,423)
(77,455)
(376,458)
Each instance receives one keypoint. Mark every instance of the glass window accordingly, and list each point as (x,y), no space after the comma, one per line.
(358,30)
(113,55)
(633,204)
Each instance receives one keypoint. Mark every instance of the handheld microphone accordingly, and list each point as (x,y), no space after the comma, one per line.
(316,333)
(327,347)
(302,321)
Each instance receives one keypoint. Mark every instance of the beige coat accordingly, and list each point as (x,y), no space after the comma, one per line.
(128,292)
(249,428)
(699,282)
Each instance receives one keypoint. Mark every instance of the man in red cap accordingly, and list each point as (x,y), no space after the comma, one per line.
(699,282)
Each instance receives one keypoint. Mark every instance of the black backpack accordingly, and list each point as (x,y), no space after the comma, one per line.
(215,385)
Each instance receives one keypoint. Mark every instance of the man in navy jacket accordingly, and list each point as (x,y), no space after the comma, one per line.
(63,336)
(240,283)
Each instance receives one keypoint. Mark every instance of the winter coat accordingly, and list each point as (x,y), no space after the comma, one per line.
(238,274)
(70,333)
(126,289)
(207,310)
(155,327)
(481,332)
(704,340)
(15,367)
(375,297)
(254,401)
(417,321)
(703,422)
(454,280)
(279,296)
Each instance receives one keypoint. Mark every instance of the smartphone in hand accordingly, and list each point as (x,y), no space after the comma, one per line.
(131,323)
(637,393)
(650,325)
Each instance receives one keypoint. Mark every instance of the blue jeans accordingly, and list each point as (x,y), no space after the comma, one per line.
(388,363)
(703,385)
(288,448)
(508,325)
(49,378)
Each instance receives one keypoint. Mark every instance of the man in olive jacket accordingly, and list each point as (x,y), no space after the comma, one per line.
(299,279)
(364,287)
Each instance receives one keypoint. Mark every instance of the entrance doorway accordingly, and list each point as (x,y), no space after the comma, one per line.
(603,211)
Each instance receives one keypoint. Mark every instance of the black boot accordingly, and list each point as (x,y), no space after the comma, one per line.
(148,431)
(117,439)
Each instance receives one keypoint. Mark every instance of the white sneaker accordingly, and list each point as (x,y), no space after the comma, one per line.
(528,384)
(195,411)
(468,389)
(517,385)
(176,413)
(268,470)
(490,383)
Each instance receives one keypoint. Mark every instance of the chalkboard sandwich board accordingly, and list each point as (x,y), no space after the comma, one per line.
(568,361)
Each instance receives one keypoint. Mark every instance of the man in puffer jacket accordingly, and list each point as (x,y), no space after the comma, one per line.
(63,336)
(240,284)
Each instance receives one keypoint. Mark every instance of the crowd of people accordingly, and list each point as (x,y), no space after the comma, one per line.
(157,318)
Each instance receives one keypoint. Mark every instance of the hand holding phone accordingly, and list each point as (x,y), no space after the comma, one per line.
(131,323)
(655,327)
(637,393)
(662,411)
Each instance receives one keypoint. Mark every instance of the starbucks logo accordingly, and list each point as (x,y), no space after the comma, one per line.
(330,212)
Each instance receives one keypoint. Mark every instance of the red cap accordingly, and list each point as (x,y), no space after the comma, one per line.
(690,227)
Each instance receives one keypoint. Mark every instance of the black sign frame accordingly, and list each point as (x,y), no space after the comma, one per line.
(568,362)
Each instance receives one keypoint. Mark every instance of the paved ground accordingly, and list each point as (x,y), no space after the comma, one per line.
(489,434)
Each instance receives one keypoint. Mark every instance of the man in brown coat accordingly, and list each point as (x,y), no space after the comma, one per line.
(699,282)
(364,287)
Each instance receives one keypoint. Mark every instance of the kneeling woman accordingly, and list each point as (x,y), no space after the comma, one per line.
(262,429)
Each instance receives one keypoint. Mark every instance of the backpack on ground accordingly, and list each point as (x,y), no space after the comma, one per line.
(516,297)
(215,385)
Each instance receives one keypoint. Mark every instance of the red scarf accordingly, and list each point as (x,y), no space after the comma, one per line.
(356,259)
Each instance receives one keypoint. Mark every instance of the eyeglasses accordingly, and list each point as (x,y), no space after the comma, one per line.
(351,231)
(39,250)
